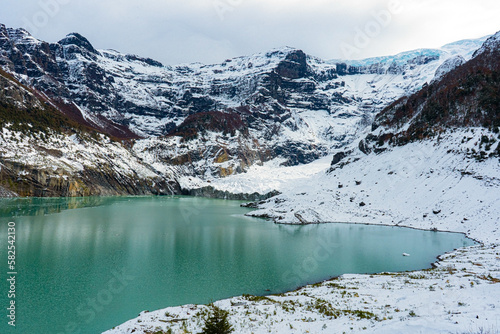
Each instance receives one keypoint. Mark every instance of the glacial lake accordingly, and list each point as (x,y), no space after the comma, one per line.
(85,265)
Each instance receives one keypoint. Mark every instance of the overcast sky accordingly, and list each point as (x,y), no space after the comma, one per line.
(210,31)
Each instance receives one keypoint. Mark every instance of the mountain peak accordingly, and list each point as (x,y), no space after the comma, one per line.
(294,65)
(492,44)
(78,40)
(280,53)
(18,36)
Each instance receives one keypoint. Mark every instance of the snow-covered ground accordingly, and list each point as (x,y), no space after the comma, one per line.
(421,185)
(430,185)
(261,179)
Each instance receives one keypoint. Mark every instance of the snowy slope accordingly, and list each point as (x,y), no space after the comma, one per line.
(418,185)
(464,48)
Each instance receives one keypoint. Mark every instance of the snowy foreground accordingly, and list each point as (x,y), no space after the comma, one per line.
(421,185)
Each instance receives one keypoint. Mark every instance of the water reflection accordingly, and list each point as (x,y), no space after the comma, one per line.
(18,207)
(35,206)
(182,250)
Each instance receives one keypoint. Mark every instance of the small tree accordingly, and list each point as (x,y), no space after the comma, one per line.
(216,322)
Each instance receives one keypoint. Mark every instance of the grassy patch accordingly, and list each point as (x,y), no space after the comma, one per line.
(489,278)
(36,120)
(417,276)
(326,309)
(257,299)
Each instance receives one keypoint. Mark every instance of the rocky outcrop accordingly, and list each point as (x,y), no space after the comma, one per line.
(226,123)
(294,66)
(211,192)
(447,66)
(338,157)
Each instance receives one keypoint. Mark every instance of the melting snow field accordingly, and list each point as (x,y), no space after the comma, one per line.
(421,185)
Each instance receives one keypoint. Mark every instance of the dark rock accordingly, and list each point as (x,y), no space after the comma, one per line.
(364,147)
(294,66)
(79,41)
(252,205)
(148,61)
(300,218)
(338,157)
(36,182)
(211,192)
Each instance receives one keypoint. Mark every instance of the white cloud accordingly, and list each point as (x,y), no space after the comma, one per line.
(175,31)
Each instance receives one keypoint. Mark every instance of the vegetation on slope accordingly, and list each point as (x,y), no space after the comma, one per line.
(468,96)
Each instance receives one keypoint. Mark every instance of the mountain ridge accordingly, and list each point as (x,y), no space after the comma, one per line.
(466,96)
(281,104)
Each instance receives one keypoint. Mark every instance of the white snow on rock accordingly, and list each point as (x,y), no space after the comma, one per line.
(74,153)
(492,43)
(447,66)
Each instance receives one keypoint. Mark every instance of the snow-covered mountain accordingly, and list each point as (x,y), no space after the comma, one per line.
(414,139)
(212,121)
(278,104)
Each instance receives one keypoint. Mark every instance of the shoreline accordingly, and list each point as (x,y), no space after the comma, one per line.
(192,320)
(352,282)
(383,224)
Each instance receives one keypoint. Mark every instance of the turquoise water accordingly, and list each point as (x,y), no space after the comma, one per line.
(86,265)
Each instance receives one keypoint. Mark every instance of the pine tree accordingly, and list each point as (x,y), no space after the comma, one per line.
(217,322)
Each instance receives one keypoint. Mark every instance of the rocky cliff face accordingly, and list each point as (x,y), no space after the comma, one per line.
(26,181)
(311,105)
